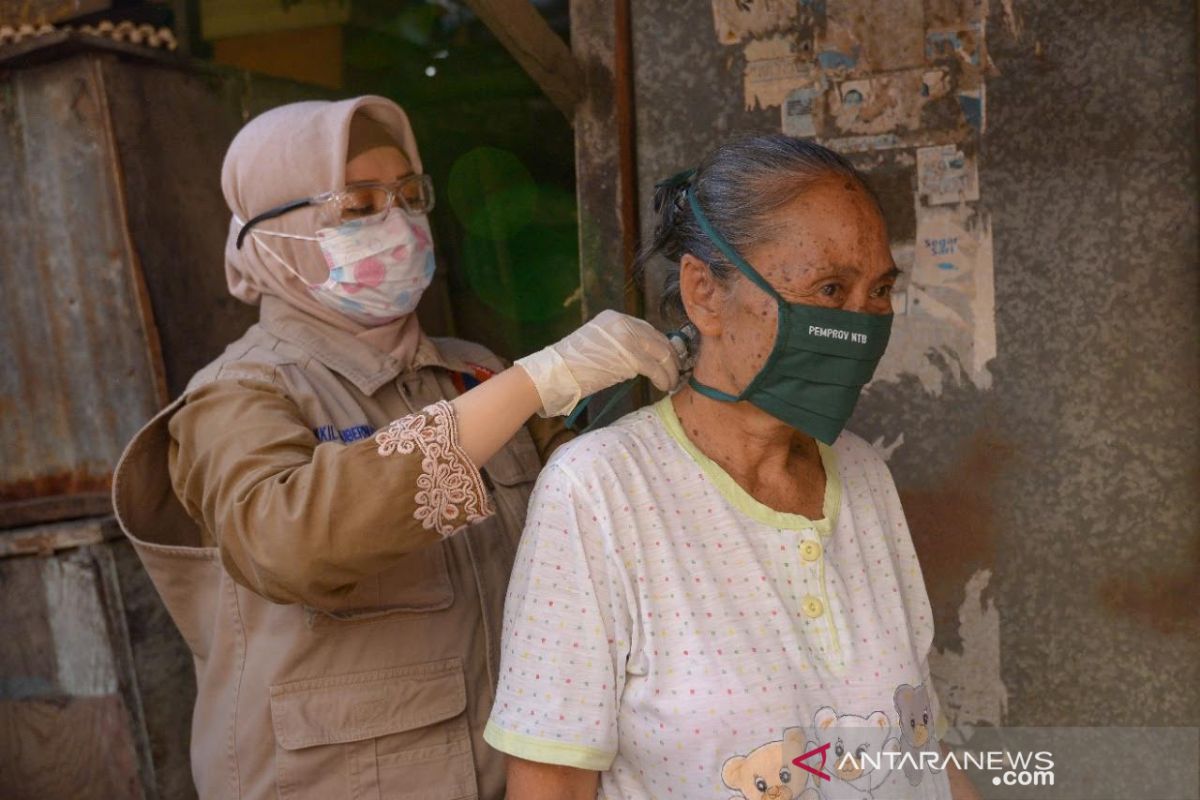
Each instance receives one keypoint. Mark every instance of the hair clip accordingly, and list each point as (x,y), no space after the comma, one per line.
(663,188)
(676,180)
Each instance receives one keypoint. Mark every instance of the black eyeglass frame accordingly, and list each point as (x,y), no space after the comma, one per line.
(392,188)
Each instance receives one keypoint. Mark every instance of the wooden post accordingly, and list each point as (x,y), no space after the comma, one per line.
(594,88)
(605,164)
(605,172)
(536,47)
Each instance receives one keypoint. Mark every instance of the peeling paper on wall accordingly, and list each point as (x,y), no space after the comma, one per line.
(774,68)
(969,684)
(879,37)
(886,449)
(859,77)
(945,308)
(799,110)
(963,43)
(1012,20)
(738,20)
(946,175)
(878,105)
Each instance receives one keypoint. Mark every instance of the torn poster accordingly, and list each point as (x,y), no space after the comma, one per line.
(799,111)
(946,175)
(952,282)
(961,43)
(865,144)
(738,20)
(945,313)
(872,36)
(969,683)
(883,104)
(774,67)
(972,103)
(935,83)
(909,109)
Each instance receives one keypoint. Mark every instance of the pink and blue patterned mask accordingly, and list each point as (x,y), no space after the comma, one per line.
(378,269)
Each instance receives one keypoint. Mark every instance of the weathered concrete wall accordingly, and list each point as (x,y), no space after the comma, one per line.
(1050,486)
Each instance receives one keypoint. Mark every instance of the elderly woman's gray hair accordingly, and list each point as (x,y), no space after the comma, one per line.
(739,186)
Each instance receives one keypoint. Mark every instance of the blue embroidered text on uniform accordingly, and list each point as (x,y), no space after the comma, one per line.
(328,433)
(356,433)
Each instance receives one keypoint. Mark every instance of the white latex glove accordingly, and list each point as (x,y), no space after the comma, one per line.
(609,349)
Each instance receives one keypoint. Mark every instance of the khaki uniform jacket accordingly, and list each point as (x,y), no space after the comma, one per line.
(329,555)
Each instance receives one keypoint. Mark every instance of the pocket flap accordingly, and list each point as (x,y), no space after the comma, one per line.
(366,705)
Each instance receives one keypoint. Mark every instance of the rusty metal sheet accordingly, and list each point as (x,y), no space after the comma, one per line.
(80,363)
(172,128)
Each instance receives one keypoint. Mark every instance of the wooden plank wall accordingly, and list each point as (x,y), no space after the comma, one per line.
(70,717)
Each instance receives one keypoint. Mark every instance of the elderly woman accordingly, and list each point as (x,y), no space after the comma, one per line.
(718,596)
(331,509)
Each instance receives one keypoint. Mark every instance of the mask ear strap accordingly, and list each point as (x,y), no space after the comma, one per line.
(282,261)
(258,240)
(715,394)
(283,235)
(747,270)
(728,250)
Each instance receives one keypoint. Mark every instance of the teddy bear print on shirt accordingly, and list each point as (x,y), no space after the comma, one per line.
(849,738)
(916,729)
(767,773)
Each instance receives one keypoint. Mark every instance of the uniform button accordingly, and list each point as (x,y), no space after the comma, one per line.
(810,550)
(813,607)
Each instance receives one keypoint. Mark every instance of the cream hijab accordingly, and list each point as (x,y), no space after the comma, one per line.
(296,151)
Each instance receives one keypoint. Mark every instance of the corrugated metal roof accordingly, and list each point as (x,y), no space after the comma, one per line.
(81,373)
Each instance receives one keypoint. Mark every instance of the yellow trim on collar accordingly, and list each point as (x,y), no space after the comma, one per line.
(741,499)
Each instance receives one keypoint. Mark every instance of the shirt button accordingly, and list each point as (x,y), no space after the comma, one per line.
(810,550)
(813,607)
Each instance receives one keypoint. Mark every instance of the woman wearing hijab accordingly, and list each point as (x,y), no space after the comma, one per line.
(331,509)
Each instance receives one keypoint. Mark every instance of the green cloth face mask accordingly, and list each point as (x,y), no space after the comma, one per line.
(821,359)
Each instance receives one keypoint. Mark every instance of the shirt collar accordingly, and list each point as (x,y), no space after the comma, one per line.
(364,366)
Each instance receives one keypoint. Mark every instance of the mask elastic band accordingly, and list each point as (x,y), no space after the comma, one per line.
(278,257)
(280,234)
(726,249)
(739,262)
(283,235)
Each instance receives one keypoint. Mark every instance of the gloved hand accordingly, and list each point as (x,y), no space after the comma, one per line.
(609,349)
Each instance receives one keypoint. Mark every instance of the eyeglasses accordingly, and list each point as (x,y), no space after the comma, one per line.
(367,200)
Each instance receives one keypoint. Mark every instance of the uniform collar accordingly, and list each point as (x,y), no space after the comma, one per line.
(364,366)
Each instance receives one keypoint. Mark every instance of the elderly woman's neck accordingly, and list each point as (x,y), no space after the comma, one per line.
(776,464)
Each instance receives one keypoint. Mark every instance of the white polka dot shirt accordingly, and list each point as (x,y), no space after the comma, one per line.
(668,630)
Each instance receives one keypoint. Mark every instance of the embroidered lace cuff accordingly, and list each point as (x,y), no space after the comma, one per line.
(449,491)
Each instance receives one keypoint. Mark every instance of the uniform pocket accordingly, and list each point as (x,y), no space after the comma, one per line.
(398,733)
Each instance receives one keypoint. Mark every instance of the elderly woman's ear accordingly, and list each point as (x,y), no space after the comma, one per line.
(704,296)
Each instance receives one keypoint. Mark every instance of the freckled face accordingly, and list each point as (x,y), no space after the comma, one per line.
(830,248)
